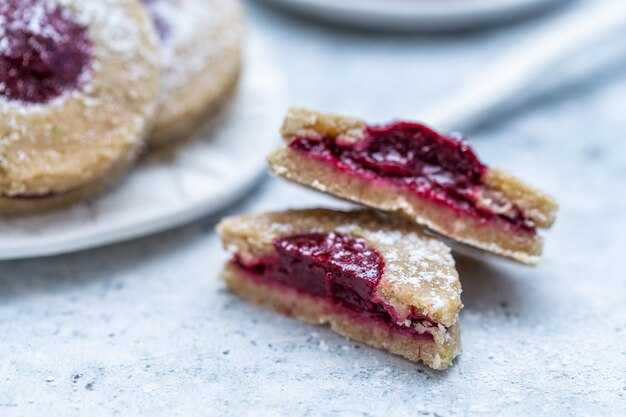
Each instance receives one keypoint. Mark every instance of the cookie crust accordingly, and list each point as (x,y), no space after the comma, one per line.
(67,150)
(419,275)
(288,302)
(493,236)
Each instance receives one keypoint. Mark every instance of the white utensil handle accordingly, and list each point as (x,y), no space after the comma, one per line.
(494,90)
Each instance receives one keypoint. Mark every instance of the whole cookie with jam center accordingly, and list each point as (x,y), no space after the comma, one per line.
(201,58)
(78,88)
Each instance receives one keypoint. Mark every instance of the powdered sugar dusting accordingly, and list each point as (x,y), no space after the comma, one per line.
(197,33)
(119,33)
(114,31)
(416,264)
(119,30)
(30,19)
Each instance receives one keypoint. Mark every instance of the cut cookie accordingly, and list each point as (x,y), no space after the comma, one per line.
(432,179)
(79,82)
(369,276)
(201,57)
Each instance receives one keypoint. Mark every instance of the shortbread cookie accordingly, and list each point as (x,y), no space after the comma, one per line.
(369,276)
(79,82)
(201,56)
(404,167)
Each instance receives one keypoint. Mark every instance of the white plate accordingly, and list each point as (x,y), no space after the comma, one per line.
(426,15)
(202,177)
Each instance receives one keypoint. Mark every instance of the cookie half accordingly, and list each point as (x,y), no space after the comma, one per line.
(201,57)
(436,181)
(370,276)
(79,82)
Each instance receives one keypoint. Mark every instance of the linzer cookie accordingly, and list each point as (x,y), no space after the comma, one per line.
(201,55)
(368,275)
(436,181)
(79,82)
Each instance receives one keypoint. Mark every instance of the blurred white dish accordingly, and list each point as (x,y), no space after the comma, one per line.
(204,176)
(426,15)
(545,55)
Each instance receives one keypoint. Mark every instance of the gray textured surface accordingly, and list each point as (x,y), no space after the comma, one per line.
(144,328)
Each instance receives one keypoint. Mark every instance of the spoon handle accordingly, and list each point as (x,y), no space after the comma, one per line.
(506,80)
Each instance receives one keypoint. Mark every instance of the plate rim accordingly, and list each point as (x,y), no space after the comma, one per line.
(124,232)
(430,15)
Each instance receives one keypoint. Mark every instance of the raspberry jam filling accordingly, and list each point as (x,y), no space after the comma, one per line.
(435,167)
(341,269)
(43,51)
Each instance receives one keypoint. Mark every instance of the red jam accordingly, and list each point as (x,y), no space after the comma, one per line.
(342,269)
(43,51)
(442,169)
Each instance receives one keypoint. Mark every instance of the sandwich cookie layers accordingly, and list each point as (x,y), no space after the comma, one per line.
(201,57)
(408,168)
(371,277)
(79,82)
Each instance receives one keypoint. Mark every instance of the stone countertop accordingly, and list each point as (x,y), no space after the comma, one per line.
(145,328)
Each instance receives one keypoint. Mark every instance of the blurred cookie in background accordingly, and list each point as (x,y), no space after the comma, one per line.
(201,56)
(79,83)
